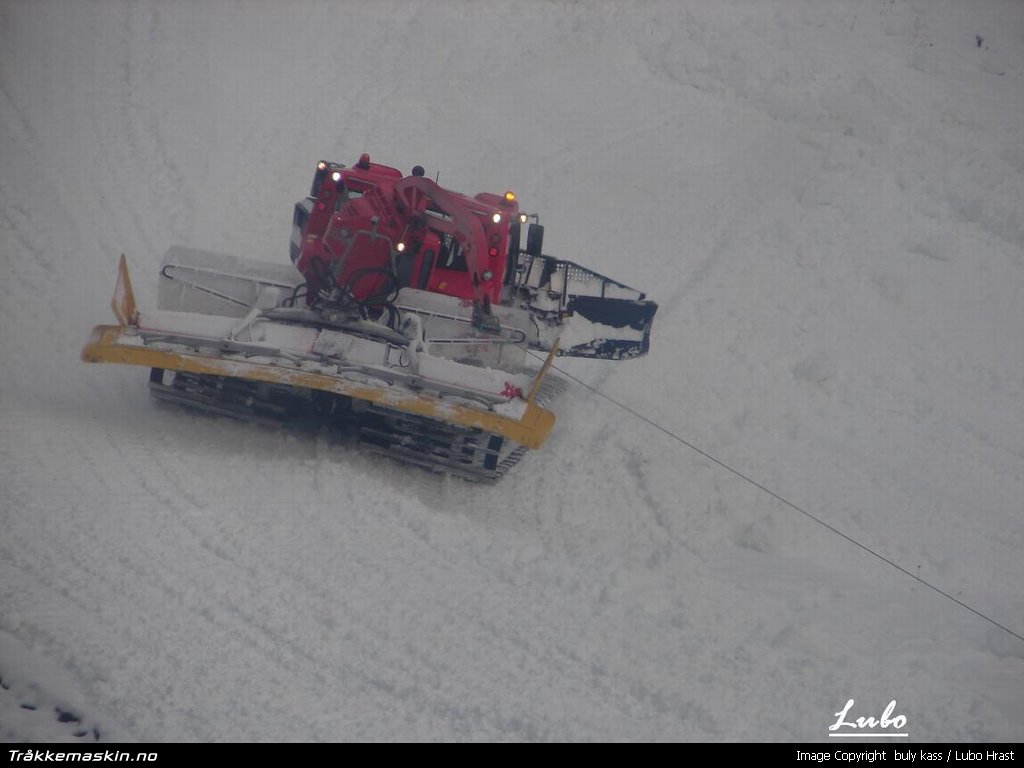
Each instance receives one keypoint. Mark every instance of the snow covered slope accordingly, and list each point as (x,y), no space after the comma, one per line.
(825,199)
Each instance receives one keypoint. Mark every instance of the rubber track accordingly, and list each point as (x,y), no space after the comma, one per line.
(471,454)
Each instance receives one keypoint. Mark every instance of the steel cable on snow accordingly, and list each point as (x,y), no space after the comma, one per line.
(760,486)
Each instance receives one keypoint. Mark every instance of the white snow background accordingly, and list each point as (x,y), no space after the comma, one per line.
(826,200)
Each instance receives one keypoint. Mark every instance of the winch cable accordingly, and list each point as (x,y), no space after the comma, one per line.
(778,497)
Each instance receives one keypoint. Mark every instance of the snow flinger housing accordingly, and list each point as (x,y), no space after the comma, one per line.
(407,318)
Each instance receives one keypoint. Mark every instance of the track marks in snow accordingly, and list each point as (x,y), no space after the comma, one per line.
(212,538)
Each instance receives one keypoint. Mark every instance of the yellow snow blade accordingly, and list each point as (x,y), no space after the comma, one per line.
(108,345)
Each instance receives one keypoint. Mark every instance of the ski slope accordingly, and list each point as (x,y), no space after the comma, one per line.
(825,200)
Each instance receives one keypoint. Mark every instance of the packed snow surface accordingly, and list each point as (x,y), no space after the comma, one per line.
(824,198)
